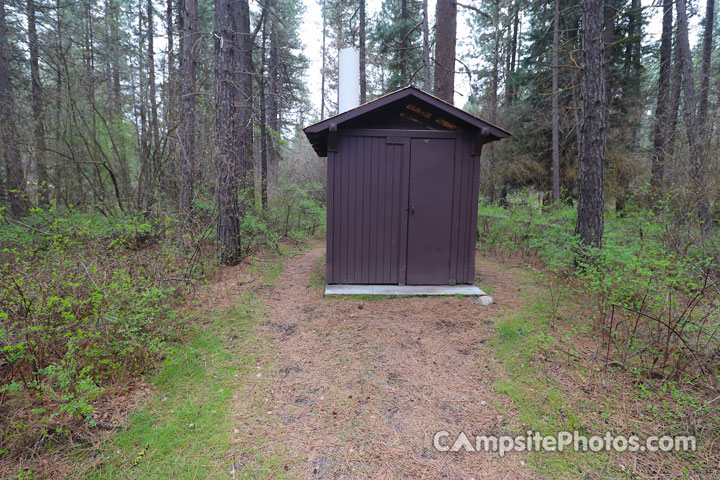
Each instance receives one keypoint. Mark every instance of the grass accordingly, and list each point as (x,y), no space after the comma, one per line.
(186,429)
(539,401)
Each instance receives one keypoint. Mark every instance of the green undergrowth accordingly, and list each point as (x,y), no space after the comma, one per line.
(650,291)
(186,429)
(86,304)
(647,304)
(540,403)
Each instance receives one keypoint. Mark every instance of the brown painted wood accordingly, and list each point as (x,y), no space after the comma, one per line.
(430,222)
(454,232)
(330,219)
(472,224)
(318,133)
(372,178)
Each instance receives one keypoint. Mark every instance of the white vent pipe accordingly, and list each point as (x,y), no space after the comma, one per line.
(348,79)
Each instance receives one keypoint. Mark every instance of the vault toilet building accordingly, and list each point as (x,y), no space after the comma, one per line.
(402,178)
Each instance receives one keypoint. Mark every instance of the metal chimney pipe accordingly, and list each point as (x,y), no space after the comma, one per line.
(348,79)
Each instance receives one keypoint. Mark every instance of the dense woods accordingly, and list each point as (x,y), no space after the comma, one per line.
(143,143)
(119,107)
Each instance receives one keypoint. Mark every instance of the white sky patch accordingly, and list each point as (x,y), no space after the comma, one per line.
(311,35)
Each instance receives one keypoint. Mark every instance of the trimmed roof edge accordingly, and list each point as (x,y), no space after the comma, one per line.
(399,94)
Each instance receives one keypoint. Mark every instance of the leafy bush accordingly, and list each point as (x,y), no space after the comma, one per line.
(297,213)
(654,283)
(85,302)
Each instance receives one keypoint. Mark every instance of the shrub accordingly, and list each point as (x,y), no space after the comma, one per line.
(654,283)
(296,212)
(85,302)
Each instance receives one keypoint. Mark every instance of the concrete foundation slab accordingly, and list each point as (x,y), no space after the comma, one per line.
(403,290)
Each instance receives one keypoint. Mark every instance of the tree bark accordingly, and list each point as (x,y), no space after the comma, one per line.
(555,113)
(445,40)
(151,77)
(609,14)
(675,93)
(697,167)
(324,62)
(403,44)
(493,99)
(143,184)
(363,59)
(89,58)
(273,104)
(115,56)
(590,221)
(707,48)
(17,193)
(170,94)
(263,116)
(232,73)
(37,108)
(426,48)
(512,54)
(188,123)
(662,109)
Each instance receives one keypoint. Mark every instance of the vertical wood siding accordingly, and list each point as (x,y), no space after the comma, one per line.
(364,211)
(465,212)
(366,217)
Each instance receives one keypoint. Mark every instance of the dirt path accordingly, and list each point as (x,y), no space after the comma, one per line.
(357,389)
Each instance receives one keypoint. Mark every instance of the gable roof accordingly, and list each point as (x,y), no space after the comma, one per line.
(440,112)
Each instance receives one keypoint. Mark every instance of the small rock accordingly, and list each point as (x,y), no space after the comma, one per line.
(484,300)
(483,403)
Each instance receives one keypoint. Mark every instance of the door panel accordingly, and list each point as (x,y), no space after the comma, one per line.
(432,163)
(366,184)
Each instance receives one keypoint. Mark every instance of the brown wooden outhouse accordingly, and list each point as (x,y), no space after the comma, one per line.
(402,178)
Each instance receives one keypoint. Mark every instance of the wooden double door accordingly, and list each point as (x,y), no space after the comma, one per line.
(400,209)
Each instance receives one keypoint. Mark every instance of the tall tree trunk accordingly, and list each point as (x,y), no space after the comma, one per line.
(707,48)
(37,108)
(151,77)
(188,122)
(608,33)
(144,145)
(232,31)
(445,39)
(555,113)
(662,110)
(107,46)
(17,193)
(590,221)
(273,105)
(170,81)
(512,55)
(116,54)
(363,59)
(493,98)
(675,94)
(705,127)
(324,61)
(697,166)
(89,58)
(60,177)
(263,115)
(403,44)
(169,175)
(426,48)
